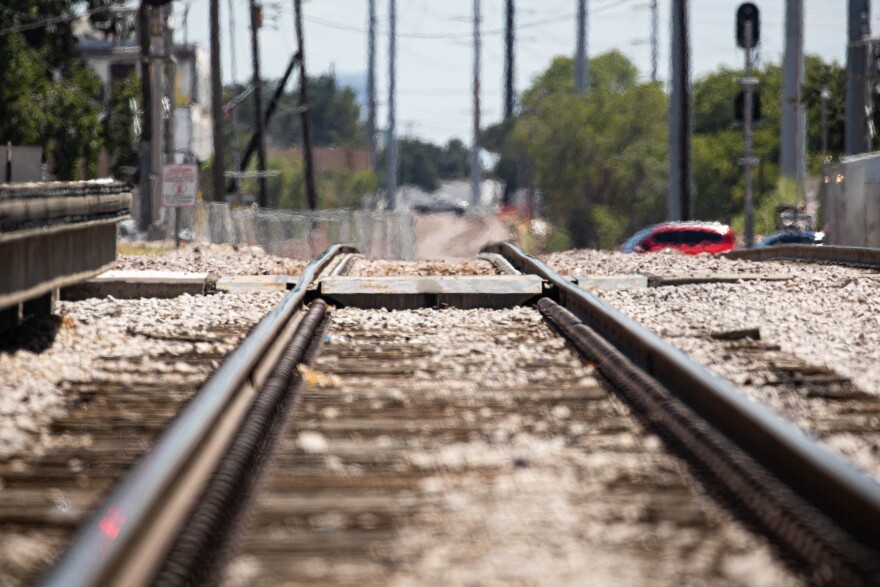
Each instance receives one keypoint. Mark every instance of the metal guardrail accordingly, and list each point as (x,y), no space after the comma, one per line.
(53,235)
(855,256)
(102,553)
(828,482)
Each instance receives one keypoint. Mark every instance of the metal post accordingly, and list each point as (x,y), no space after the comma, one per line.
(218,166)
(581,61)
(475,149)
(391,152)
(858,28)
(655,38)
(749,83)
(258,106)
(8,161)
(826,95)
(311,193)
(508,59)
(791,76)
(371,83)
(679,198)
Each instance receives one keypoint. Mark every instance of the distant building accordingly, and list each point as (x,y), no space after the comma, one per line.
(329,158)
(114,55)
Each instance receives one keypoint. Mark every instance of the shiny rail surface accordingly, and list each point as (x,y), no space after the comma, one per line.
(848,497)
(97,556)
(855,256)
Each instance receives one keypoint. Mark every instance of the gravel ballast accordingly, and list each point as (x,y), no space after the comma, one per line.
(43,356)
(219,259)
(823,316)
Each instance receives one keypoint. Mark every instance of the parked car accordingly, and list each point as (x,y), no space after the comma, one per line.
(441,204)
(792,237)
(690,238)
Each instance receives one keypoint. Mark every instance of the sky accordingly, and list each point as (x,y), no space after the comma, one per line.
(435,45)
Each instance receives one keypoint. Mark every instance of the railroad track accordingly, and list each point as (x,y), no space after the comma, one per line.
(364,456)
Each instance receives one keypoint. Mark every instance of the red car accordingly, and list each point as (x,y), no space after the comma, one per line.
(690,238)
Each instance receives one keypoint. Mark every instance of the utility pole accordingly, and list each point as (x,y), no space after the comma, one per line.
(581,61)
(145,215)
(509,40)
(391,152)
(156,152)
(371,83)
(219,163)
(790,164)
(256,23)
(508,59)
(311,193)
(169,97)
(233,63)
(476,179)
(858,29)
(679,200)
(655,38)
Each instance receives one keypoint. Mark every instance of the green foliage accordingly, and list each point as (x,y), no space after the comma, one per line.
(600,159)
(336,189)
(47,97)
(424,164)
(119,136)
(334,114)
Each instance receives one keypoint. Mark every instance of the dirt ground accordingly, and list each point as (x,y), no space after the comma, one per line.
(447,236)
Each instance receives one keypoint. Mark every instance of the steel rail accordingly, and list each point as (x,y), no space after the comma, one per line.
(100,551)
(829,483)
(855,256)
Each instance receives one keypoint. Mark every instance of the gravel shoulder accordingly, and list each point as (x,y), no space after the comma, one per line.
(219,259)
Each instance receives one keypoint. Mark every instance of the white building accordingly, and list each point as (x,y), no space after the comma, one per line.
(114,55)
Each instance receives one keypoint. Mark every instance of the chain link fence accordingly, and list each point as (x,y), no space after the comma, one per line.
(299,234)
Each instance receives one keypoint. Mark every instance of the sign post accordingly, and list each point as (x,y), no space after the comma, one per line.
(180,184)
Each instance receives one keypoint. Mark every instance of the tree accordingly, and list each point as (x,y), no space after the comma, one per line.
(333,110)
(47,97)
(600,159)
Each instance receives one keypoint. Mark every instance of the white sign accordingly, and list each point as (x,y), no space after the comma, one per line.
(180,184)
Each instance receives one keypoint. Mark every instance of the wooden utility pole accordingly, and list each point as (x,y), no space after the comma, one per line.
(256,18)
(311,192)
(218,167)
(145,215)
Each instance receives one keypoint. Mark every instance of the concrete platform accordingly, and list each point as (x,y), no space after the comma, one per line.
(599,282)
(141,284)
(250,283)
(407,293)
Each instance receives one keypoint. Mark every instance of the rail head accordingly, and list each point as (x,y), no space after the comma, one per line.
(99,548)
(832,485)
(837,255)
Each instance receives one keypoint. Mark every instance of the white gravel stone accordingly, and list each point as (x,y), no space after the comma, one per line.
(94,335)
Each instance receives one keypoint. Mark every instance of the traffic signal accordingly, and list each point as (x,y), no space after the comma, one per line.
(747,12)
(739,107)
